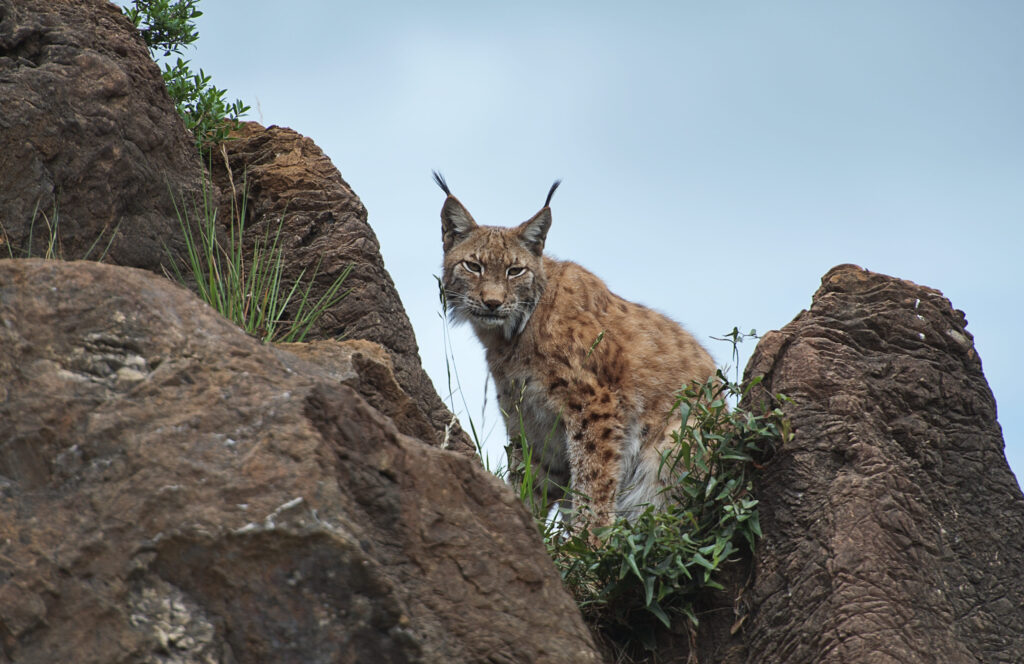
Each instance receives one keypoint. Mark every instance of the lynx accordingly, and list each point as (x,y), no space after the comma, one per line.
(589,377)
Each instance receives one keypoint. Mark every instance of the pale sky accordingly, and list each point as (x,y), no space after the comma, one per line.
(717,158)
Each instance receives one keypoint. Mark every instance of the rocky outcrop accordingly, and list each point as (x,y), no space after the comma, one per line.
(894,529)
(175,491)
(89,139)
(284,181)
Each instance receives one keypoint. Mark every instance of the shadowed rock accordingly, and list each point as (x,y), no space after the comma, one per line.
(89,139)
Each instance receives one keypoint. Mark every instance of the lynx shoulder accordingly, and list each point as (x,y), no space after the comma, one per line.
(589,377)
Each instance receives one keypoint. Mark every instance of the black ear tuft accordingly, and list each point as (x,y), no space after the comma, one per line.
(439,179)
(551,193)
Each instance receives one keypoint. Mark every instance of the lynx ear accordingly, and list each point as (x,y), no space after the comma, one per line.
(532,233)
(456,221)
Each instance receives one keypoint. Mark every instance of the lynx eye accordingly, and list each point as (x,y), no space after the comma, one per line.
(475,268)
(515,271)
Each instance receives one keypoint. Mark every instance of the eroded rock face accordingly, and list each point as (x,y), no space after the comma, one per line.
(89,139)
(288,183)
(894,529)
(175,491)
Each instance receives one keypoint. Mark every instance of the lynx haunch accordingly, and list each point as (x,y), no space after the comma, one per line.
(588,377)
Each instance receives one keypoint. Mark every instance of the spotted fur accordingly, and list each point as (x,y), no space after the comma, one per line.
(588,376)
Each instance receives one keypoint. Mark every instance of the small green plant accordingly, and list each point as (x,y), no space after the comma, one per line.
(735,338)
(165,25)
(168,27)
(248,287)
(54,250)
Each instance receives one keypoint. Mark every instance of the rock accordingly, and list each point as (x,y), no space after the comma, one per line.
(287,182)
(894,529)
(366,367)
(175,491)
(89,139)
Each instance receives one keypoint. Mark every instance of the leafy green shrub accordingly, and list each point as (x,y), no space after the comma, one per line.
(248,288)
(653,570)
(165,25)
(168,27)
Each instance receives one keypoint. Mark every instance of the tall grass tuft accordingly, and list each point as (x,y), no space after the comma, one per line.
(249,288)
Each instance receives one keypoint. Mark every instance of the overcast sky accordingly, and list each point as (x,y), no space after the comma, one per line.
(718,158)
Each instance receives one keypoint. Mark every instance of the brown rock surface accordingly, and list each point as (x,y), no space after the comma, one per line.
(87,134)
(894,529)
(291,183)
(366,367)
(174,491)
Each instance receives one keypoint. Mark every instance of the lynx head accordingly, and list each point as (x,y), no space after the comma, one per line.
(493,276)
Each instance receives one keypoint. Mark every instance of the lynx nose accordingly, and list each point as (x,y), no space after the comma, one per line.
(492,303)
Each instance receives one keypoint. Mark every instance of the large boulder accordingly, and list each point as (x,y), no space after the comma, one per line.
(89,139)
(893,527)
(175,491)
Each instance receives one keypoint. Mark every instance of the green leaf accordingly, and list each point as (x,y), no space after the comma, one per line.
(631,560)
(660,614)
(688,612)
(649,590)
(703,562)
(684,411)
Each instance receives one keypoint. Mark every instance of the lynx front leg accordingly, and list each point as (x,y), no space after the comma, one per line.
(595,439)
